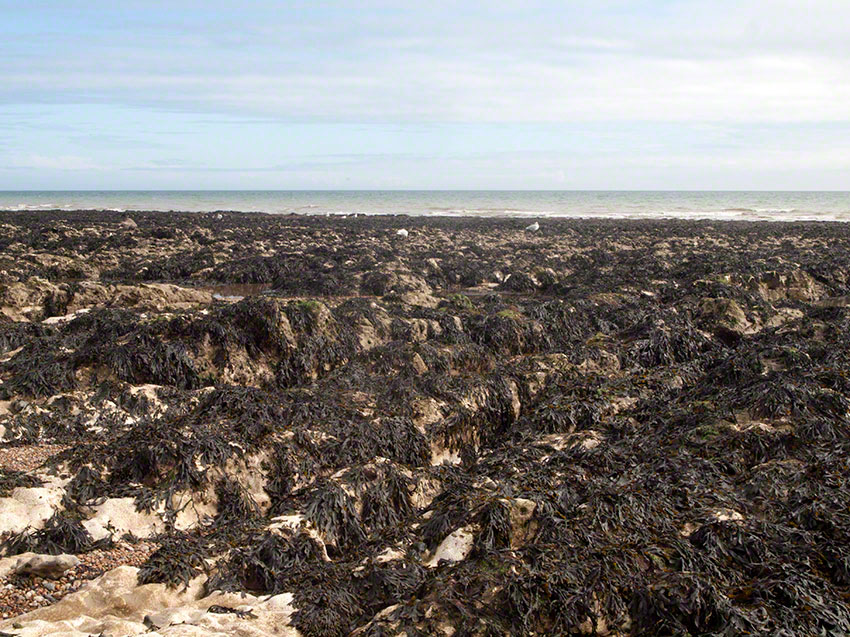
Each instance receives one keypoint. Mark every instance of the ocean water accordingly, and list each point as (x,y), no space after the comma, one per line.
(740,205)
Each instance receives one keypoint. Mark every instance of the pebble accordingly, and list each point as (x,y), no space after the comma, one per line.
(27,457)
(22,594)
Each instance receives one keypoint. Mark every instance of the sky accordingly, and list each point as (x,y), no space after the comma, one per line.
(581,94)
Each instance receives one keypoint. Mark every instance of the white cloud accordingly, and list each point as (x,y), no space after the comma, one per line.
(34,161)
(658,93)
(776,61)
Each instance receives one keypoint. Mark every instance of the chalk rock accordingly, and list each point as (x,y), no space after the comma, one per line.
(28,507)
(726,316)
(114,604)
(455,548)
(158,297)
(48,566)
(24,300)
(523,525)
(795,285)
(119,516)
(128,223)
(420,299)
(380,282)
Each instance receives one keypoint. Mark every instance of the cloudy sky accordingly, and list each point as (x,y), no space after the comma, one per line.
(576,94)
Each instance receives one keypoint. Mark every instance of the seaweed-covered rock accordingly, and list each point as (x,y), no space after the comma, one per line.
(607,428)
(725,317)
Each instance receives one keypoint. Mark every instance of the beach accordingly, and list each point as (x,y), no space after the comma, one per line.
(242,423)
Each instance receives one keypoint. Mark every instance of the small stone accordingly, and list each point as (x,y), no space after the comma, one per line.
(50,586)
(51,566)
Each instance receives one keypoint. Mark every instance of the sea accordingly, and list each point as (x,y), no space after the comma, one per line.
(733,205)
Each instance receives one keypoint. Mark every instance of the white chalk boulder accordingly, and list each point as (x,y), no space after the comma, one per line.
(456,547)
(115,604)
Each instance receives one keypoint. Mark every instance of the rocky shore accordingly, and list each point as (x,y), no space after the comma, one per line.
(244,424)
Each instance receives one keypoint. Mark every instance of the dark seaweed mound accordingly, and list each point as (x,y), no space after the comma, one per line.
(631,428)
(11,479)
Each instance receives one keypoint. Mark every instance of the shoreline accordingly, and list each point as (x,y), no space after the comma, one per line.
(707,217)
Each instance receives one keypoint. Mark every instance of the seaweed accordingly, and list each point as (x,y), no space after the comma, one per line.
(267,562)
(36,371)
(178,560)
(61,533)
(566,405)
(14,335)
(332,510)
(682,603)
(178,267)
(145,360)
(504,331)
(85,488)
(687,476)
(234,502)
(221,610)
(397,439)
(11,479)
(495,522)
(386,501)
(327,608)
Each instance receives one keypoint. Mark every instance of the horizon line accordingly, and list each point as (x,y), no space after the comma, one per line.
(624,190)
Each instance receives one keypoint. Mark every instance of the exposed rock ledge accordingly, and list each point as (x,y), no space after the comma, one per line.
(115,605)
